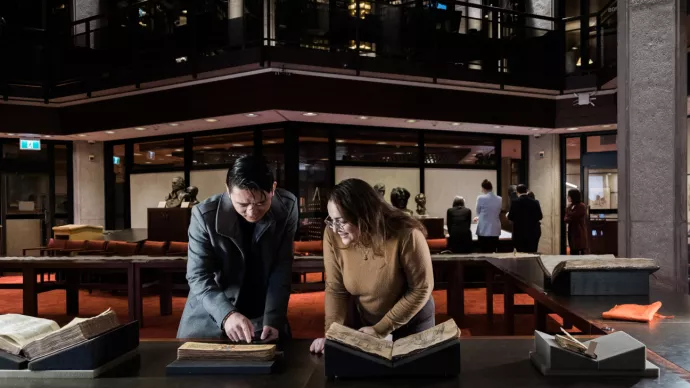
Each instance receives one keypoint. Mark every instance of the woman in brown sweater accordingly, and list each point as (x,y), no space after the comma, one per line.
(575,218)
(378,266)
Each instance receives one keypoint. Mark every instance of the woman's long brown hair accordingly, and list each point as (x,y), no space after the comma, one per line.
(377,220)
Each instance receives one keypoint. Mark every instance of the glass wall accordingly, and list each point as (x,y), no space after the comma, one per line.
(162,153)
(372,146)
(120,187)
(273,149)
(221,150)
(448,148)
(315,182)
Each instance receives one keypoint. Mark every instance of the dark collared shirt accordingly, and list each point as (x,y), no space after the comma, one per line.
(252,297)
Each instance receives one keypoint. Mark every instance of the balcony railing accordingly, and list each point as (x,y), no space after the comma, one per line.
(438,40)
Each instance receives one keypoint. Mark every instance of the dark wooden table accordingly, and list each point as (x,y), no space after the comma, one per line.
(497,362)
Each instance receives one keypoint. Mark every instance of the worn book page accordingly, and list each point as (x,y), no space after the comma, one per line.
(210,347)
(22,329)
(426,339)
(361,341)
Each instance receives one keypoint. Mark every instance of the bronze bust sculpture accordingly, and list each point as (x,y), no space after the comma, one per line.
(381,189)
(178,194)
(399,198)
(421,204)
(192,192)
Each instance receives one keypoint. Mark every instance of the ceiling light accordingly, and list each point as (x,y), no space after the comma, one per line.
(456,124)
(572,129)
(110,132)
(140,128)
(10,134)
(168,155)
(410,121)
(211,120)
(178,150)
(535,129)
(309,114)
(570,185)
(607,126)
(207,148)
(137,154)
(237,145)
(497,126)
(271,141)
(174,124)
(456,146)
(363,118)
(82,135)
(148,162)
(252,115)
(340,141)
(381,143)
(47,136)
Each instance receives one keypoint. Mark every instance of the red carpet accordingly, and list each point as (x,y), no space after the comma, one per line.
(305,311)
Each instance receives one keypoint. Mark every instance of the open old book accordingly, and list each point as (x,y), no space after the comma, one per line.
(33,337)
(401,348)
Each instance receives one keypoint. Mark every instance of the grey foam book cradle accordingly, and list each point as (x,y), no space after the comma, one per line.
(618,354)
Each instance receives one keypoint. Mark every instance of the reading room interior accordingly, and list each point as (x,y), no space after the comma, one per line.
(495,192)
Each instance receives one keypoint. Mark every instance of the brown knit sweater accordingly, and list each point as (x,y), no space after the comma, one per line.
(389,290)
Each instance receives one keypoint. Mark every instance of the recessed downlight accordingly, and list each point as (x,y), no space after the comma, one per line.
(10,134)
(110,132)
(498,126)
(456,124)
(237,145)
(607,126)
(178,150)
(82,135)
(174,124)
(363,117)
(411,121)
(140,128)
(211,120)
(309,114)
(535,129)
(252,115)
(573,129)
(381,143)
(340,141)
(271,141)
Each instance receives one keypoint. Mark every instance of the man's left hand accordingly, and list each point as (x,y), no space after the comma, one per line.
(370,330)
(269,334)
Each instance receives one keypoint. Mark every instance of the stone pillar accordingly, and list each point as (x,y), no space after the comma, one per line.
(544,182)
(236,22)
(89,183)
(541,8)
(652,135)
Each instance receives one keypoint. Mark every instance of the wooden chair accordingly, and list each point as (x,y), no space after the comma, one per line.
(153,248)
(177,248)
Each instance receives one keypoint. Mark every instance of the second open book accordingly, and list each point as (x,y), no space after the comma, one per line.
(398,349)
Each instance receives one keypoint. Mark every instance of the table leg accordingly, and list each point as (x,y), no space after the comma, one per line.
(509,306)
(165,283)
(72,292)
(490,294)
(455,297)
(134,297)
(539,316)
(30,292)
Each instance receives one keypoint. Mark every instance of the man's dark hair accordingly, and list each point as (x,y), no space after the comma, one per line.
(522,189)
(575,196)
(486,185)
(250,173)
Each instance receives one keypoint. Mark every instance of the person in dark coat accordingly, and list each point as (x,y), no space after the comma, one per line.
(526,215)
(459,219)
(575,214)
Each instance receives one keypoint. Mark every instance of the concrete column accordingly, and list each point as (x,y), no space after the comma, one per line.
(236,22)
(652,136)
(541,8)
(89,190)
(544,182)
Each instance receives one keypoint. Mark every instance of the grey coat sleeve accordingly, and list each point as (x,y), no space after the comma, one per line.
(201,268)
(280,279)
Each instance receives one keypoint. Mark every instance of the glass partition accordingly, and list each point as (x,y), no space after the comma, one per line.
(314,183)
(161,153)
(222,150)
(272,146)
(372,146)
(442,148)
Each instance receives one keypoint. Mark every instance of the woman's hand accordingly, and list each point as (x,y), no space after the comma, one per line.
(370,330)
(318,346)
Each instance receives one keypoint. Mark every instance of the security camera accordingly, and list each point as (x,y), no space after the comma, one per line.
(91,142)
(92,157)
(537,135)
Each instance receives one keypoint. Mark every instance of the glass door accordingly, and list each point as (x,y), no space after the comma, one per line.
(27,211)
(601,194)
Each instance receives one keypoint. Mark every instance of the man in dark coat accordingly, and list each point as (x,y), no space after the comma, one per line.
(526,215)
(240,257)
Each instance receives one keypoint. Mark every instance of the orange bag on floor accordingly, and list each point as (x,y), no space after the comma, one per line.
(634,312)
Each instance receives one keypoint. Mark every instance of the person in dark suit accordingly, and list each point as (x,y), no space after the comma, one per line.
(240,257)
(526,215)
(459,219)
(575,214)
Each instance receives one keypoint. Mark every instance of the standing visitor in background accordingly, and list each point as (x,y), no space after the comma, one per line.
(459,220)
(575,214)
(531,195)
(488,217)
(525,213)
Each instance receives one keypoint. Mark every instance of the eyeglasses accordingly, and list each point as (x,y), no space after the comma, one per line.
(337,225)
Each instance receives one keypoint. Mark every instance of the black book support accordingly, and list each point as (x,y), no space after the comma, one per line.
(12,362)
(93,353)
(342,361)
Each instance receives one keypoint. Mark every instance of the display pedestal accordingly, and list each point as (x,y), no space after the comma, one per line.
(600,283)
(344,362)
(220,367)
(169,224)
(618,354)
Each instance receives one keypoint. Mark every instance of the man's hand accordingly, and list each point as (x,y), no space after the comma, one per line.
(269,334)
(370,330)
(239,328)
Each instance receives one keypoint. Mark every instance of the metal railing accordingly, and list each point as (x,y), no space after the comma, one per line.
(143,42)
